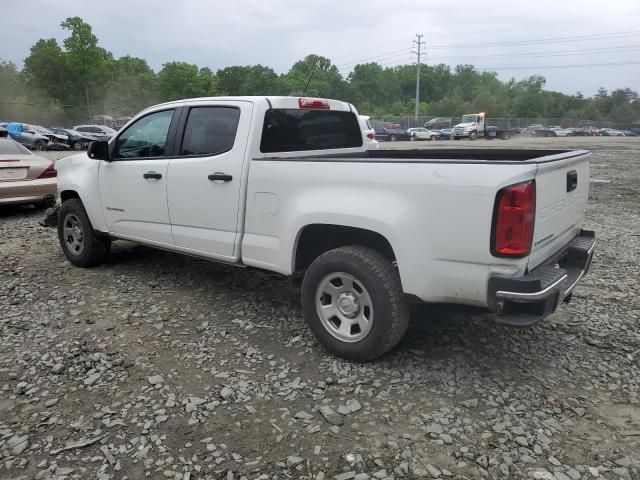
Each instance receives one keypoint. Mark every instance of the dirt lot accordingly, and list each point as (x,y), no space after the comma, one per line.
(163,366)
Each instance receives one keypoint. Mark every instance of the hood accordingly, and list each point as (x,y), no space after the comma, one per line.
(69,161)
(466,124)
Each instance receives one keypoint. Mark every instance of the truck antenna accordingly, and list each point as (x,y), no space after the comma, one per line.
(304,92)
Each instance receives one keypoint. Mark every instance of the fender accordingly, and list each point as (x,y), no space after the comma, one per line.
(79,174)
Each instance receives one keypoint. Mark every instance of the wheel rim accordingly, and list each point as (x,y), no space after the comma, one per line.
(78,146)
(73,234)
(344,307)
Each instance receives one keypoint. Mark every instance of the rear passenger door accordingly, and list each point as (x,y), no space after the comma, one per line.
(205,178)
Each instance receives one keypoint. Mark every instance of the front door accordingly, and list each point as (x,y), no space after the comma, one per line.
(205,177)
(133,185)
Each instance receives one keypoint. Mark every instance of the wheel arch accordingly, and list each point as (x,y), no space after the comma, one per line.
(315,239)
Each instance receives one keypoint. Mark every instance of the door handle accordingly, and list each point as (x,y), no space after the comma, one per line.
(154,175)
(220,177)
(572,180)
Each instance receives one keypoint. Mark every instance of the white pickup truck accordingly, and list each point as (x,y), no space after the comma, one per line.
(284,184)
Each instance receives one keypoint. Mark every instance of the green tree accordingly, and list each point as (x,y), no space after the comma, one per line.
(184,80)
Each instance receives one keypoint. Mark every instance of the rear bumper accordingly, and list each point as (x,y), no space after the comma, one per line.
(27,191)
(524,301)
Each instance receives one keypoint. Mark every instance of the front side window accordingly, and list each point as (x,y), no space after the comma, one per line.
(147,137)
(210,130)
(290,130)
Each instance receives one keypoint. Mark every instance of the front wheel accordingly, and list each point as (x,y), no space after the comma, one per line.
(79,242)
(473,135)
(393,138)
(38,145)
(433,138)
(353,302)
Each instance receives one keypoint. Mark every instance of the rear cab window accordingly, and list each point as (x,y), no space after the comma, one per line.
(210,130)
(299,129)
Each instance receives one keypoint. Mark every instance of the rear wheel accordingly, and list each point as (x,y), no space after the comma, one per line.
(353,302)
(393,138)
(433,138)
(78,145)
(79,242)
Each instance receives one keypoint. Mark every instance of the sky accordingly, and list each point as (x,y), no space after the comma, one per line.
(576,45)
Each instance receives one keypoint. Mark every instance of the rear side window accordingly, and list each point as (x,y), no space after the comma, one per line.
(290,130)
(9,147)
(210,130)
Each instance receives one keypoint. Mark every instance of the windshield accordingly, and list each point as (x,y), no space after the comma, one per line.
(468,119)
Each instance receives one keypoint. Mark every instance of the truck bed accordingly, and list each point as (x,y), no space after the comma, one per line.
(454,155)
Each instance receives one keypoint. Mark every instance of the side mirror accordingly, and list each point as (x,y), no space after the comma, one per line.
(98,150)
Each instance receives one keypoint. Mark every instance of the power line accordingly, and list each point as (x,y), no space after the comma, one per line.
(547,67)
(547,54)
(383,55)
(597,36)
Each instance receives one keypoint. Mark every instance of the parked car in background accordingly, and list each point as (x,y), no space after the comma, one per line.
(391,134)
(76,140)
(3,132)
(578,132)
(421,133)
(438,123)
(629,133)
(538,130)
(25,177)
(368,133)
(561,132)
(27,136)
(56,141)
(101,132)
(611,132)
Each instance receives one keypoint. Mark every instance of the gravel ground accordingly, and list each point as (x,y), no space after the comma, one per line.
(164,366)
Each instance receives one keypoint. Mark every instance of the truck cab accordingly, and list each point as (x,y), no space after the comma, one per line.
(471,126)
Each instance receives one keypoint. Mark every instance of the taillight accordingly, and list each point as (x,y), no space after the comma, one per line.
(50,172)
(313,103)
(371,135)
(513,217)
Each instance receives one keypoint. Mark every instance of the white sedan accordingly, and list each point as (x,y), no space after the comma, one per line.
(421,133)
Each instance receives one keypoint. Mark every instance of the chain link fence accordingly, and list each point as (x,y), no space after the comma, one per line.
(63,116)
(409,121)
(66,116)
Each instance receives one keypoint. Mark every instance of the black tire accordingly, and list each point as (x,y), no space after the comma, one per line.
(78,145)
(455,138)
(95,249)
(393,138)
(38,145)
(389,306)
(473,135)
(504,136)
(433,138)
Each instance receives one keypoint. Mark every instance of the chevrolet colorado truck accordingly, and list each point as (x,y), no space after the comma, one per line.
(284,184)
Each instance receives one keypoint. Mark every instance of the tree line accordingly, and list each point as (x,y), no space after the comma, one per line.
(81,72)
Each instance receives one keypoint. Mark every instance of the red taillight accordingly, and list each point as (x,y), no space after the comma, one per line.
(313,103)
(371,135)
(513,218)
(50,172)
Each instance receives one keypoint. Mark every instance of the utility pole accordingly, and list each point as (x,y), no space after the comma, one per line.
(419,44)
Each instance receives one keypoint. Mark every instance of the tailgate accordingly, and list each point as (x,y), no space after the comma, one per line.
(562,189)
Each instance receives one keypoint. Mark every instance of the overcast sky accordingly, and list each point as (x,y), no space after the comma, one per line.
(276,33)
